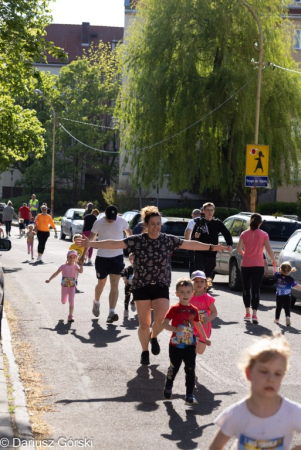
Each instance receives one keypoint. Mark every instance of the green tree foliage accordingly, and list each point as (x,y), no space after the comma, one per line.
(83,97)
(184,59)
(22,25)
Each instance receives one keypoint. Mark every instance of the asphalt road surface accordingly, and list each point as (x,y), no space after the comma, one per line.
(100,391)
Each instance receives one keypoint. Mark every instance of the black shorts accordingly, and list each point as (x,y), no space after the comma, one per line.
(108,266)
(151,292)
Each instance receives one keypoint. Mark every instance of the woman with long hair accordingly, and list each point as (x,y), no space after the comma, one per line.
(152,273)
(251,245)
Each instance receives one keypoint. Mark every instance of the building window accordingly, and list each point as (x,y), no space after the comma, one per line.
(297,40)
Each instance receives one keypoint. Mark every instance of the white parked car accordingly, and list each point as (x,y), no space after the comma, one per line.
(279,230)
(72,223)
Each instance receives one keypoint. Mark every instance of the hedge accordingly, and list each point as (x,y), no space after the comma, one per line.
(289,208)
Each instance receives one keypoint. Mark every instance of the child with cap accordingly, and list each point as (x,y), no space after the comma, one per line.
(69,276)
(79,250)
(205,305)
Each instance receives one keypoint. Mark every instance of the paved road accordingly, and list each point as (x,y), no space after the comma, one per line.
(100,391)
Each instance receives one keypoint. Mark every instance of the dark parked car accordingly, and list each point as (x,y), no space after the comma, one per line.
(177,227)
(2,206)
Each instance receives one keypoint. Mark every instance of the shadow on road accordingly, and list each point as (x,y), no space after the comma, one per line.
(184,431)
(218,323)
(100,337)
(60,328)
(15,269)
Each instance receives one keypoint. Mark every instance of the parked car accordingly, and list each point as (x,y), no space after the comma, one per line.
(132,218)
(2,206)
(177,227)
(72,223)
(279,230)
(5,246)
(292,252)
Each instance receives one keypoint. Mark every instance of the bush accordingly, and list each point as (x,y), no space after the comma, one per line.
(280,208)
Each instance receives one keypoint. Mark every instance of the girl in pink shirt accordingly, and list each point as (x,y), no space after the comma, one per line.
(69,276)
(205,304)
(251,245)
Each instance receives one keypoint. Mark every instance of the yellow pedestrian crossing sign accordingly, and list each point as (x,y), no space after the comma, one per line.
(257,160)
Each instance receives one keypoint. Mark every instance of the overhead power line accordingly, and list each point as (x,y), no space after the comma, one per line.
(86,145)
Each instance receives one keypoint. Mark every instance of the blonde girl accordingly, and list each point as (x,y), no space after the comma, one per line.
(264,419)
(30,239)
(69,277)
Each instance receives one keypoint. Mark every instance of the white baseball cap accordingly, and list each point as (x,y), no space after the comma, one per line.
(198,274)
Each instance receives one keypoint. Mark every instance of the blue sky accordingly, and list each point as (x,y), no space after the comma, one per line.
(97,12)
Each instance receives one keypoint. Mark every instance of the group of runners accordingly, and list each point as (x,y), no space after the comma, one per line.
(251,421)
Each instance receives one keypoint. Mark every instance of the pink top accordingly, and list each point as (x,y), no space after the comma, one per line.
(253,247)
(69,275)
(203,303)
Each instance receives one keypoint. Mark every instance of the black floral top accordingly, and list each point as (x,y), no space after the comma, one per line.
(152,263)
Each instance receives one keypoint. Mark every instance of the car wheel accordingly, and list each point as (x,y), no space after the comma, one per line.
(293,301)
(234,277)
(62,235)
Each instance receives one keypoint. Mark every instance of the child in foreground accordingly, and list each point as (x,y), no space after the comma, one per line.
(69,276)
(265,419)
(127,275)
(284,289)
(206,308)
(183,316)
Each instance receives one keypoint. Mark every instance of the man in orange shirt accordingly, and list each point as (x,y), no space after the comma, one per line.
(43,222)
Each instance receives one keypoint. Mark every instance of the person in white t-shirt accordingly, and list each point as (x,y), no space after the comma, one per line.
(265,419)
(108,262)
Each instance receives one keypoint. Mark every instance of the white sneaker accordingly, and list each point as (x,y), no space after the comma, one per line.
(38,258)
(125,313)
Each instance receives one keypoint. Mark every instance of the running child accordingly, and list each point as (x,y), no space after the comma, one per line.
(30,239)
(206,307)
(80,251)
(182,345)
(265,419)
(127,275)
(69,276)
(21,227)
(284,289)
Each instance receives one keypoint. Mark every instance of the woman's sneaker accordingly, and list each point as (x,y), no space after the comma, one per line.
(167,392)
(288,321)
(70,318)
(247,316)
(126,314)
(154,345)
(95,309)
(112,317)
(254,319)
(190,400)
(144,357)
(133,306)
(276,321)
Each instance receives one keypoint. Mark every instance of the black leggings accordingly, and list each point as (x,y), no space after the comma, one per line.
(127,293)
(42,239)
(177,355)
(205,263)
(251,279)
(7,226)
(283,301)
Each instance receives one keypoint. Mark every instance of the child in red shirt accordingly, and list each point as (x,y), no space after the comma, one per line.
(183,317)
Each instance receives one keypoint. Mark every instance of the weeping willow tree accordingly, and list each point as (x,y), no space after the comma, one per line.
(182,60)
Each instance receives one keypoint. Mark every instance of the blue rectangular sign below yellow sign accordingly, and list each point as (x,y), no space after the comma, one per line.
(256,182)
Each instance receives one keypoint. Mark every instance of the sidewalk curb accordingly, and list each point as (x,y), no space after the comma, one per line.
(21,413)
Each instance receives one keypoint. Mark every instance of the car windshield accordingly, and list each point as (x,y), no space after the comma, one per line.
(175,228)
(280,231)
(78,215)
